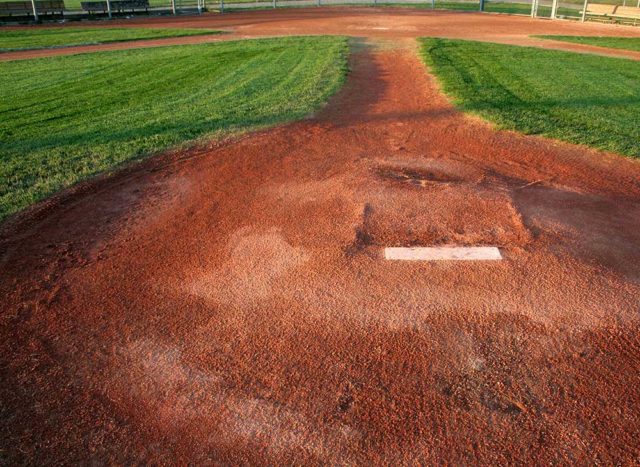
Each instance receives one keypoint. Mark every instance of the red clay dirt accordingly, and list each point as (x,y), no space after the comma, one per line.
(230,304)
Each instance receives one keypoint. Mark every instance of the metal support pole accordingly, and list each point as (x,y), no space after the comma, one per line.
(275,5)
(35,10)
(173,6)
(318,2)
(433,4)
(481,5)
(584,10)
(534,8)
(221,6)
(109,8)
(554,9)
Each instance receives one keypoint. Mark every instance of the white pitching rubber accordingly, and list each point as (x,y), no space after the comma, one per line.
(443,253)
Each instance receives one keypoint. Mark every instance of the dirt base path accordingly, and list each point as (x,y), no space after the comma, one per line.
(231,304)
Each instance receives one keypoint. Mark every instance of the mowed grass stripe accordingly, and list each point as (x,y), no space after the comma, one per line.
(625,43)
(583,99)
(63,119)
(38,38)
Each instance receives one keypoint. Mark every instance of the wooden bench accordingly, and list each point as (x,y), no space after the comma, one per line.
(50,6)
(25,9)
(116,5)
(132,5)
(15,8)
(92,7)
(613,12)
(600,11)
(627,12)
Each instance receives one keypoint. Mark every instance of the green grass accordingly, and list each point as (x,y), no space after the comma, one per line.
(584,99)
(63,119)
(23,39)
(627,43)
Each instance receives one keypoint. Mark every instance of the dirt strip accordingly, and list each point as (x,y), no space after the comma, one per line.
(231,304)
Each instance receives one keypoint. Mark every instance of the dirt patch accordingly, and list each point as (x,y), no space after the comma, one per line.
(416,177)
(363,237)
(480,218)
(422,201)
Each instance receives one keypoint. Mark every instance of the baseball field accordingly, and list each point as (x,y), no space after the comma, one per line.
(205,223)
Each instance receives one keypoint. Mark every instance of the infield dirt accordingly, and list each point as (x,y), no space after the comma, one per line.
(230,304)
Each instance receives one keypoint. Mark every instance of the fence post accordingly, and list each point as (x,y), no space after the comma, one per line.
(221,6)
(533,8)
(554,9)
(584,10)
(433,4)
(35,10)
(274,4)
(173,6)
(109,8)
(318,2)
(481,5)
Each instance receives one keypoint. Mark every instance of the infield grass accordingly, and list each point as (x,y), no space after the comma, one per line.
(584,99)
(66,118)
(627,43)
(24,39)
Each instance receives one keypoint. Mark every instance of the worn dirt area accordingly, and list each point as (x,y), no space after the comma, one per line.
(230,304)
